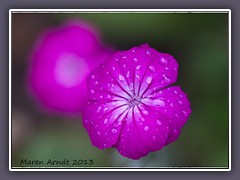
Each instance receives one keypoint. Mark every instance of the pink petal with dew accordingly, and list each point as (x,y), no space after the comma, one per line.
(174,103)
(130,86)
(103,121)
(143,131)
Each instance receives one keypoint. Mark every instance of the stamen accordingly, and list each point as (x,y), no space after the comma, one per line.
(133,101)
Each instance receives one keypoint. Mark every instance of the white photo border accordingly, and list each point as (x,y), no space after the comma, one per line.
(11,11)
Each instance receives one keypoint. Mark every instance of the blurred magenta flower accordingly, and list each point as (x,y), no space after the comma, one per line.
(131,106)
(60,61)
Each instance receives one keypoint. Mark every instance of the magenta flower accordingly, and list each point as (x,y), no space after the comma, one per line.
(59,64)
(131,107)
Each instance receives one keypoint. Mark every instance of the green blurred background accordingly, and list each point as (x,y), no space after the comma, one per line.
(199,42)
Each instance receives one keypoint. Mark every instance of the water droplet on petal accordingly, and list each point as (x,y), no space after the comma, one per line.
(177,116)
(180,102)
(113,68)
(96,83)
(114,131)
(99,109)
(148,53)
(175,92)
(104,145)
(138,67)
(171,104)
(105,121)
(120,77)
(149,80)
(128,74)
(146,128)
(124,57)
(98,133)
(185,113)
(163,61)
(92,91)
(159,122)
(166,78)
(135,59)
(142,119)
(154,138)
(145,112)
(152,68)
(93,77)
(124,65)
(101,96)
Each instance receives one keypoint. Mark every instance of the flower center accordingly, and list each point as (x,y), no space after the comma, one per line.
(134,101)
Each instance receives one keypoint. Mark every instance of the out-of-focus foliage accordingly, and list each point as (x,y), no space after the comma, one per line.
(198,41)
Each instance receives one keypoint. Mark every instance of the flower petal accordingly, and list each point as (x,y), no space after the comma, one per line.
(59,63)
(125,92)
(103,121)
(161,72)
(143,131)
(174,103)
